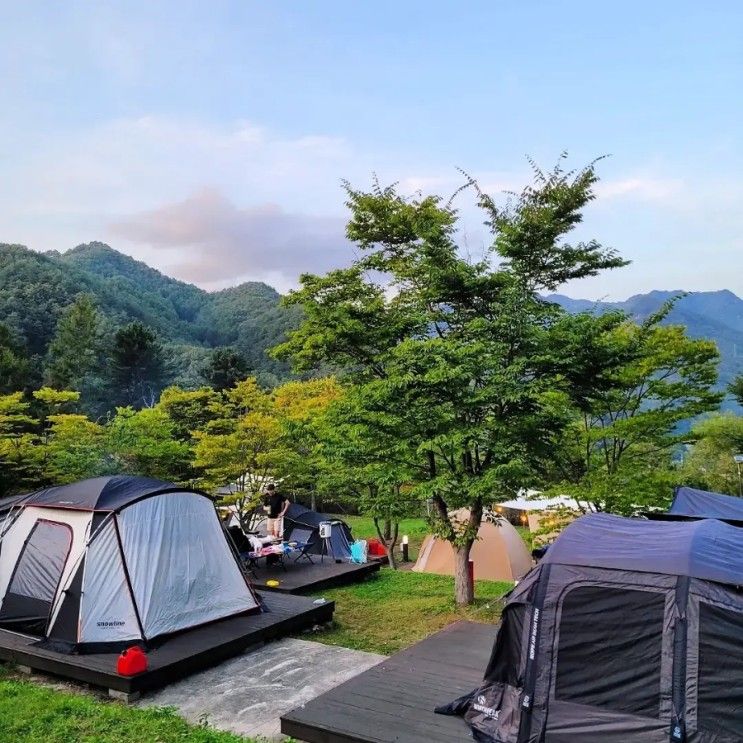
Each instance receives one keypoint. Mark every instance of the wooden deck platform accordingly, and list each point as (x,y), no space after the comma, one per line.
(306,577)
(181,655)
(394,701)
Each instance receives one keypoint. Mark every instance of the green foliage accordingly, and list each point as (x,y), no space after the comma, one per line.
(75,350)
(736,389)
(447,357)
(143,442)
(15,366)
(709,464)
(137,365)
(633,386)
(224,368)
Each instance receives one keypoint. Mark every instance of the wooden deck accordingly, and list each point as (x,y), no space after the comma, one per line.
(181,655)
(306,577)
(394,701)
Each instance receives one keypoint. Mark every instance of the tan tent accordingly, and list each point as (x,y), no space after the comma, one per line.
(499,553)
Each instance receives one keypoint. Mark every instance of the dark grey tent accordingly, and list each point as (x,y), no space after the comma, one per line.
(693,503)
(112,561)
(627,630)
(303,524)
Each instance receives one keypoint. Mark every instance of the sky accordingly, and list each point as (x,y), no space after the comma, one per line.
(210,140)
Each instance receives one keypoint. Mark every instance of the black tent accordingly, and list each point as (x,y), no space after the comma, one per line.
(303,524)
(627,630)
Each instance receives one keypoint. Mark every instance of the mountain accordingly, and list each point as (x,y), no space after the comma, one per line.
(35,289)
(715,315)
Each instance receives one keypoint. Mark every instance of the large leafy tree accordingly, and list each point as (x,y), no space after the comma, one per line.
(19,460)
(710,462)
(447,353)
(736,388)
(240,448)
(634,387)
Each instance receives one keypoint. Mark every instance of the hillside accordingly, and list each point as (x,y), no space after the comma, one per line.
(35,288)
(716,315)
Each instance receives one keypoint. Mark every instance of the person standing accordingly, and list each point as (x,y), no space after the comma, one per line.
(277,507)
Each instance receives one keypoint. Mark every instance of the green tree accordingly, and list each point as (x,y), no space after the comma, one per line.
(709,463)
(75,448)
(241,448)
(224,368)
(736,388)
(143,442)
(137,365)
(15,366)
(75,351)
(19,453)
(633,388)
(448,354)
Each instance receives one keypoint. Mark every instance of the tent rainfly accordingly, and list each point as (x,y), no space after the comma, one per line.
(627,630)
(499,553)
(111,561)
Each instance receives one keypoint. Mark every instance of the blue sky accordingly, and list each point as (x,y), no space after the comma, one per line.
(209,139)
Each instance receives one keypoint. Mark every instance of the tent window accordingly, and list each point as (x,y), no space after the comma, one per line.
(720,695)
(42,561)
(609,651)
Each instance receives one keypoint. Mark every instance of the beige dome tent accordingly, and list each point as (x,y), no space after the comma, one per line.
(499,553)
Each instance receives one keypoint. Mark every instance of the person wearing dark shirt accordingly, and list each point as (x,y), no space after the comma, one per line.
(277,505)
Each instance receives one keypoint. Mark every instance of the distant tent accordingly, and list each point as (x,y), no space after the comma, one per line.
(498,554)
(693,503)
(303,524)
(112,561)
(627,630)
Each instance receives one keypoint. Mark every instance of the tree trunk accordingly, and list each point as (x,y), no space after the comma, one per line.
(313,501)
(387,529)
(388,542)
(464,589)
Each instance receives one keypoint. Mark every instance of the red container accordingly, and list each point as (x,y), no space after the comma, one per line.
(131,662)
(376,548)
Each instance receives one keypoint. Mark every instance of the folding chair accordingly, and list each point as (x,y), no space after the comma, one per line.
(306,540)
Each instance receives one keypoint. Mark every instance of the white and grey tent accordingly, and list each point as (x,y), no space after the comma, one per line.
(111,561)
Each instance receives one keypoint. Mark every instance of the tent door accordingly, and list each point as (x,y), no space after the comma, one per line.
(35,580)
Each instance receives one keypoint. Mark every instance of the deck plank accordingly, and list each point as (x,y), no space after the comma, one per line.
(394,701)
(180,655)
(305,577)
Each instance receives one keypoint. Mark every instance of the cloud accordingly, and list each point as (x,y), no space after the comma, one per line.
(214,242)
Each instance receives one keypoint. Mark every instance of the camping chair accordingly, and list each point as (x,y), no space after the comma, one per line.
(305,539)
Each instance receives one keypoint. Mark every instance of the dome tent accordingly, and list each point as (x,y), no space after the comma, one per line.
(499,553)
(107,562)
(628,629)
(303,524)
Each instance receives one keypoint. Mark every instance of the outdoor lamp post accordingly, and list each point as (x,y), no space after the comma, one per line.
(738,458)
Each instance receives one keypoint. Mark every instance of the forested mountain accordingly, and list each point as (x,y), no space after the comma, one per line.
(716,315)
(36,288)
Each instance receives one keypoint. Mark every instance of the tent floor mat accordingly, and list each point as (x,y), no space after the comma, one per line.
(179,656)
(306,577)
(394,701)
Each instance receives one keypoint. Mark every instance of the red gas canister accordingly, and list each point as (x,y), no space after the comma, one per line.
(131,662)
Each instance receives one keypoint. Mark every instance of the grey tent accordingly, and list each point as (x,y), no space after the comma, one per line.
(112,561)
(693,503)
(627,630)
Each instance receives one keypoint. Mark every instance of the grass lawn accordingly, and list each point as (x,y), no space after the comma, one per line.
(30,713)
(395,609)
(416,529)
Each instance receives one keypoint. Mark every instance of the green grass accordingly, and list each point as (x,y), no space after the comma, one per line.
(30,713)
(395,609)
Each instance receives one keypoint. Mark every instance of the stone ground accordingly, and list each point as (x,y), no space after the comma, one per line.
(248,694)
